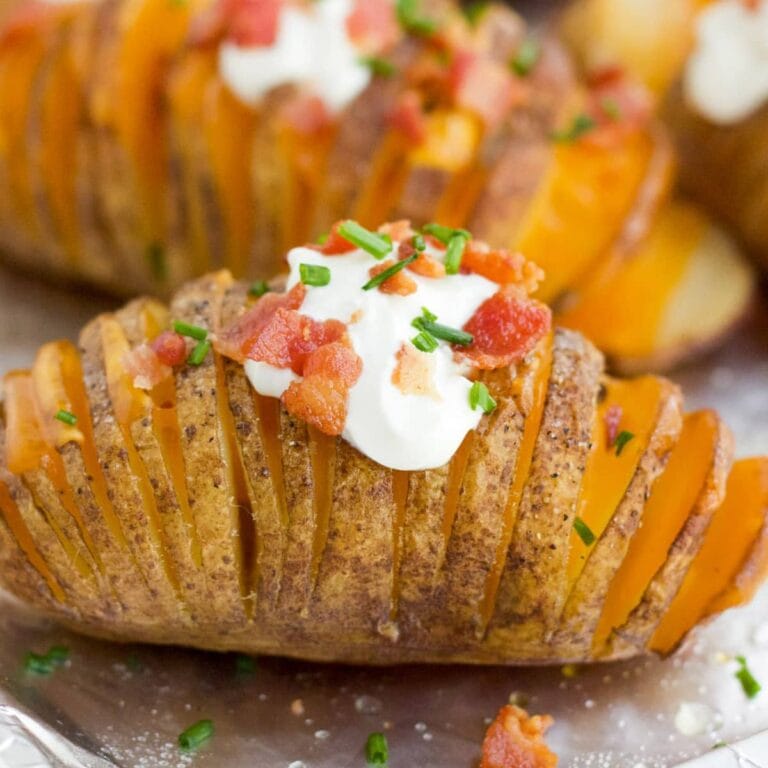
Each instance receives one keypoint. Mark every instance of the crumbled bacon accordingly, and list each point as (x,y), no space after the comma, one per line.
(246,23)
(335,244)
(288,338)
(373,25)
(413,374)
(235,340)
(398,230)
(399,283)
(516,740)
(145,367)
(612,418)
(501,266)
(424,265)
(408,117)
(320,398)
(506,327)
(484,87)
(306,114)
(170,348)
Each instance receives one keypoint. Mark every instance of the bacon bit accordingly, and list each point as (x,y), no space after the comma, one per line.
(234,341)
(408,117)
(335,245)
(414,371)
(170,348)
(399,283)
(424,264)
(506,327)
(320,398)
(145,367)
(516,740)
(501,266)
(288,338)
(612,420)
(246,23)
(484,87)
(398,231)
(306,114)
(373,25)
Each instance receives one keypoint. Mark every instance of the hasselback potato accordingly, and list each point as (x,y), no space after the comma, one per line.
(146,142)
(147,495)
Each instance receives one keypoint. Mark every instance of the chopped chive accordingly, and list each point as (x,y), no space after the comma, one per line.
(417,241)
(258,289)
(446,333)
(377,245)
(748,683)
(314,274)
(322,239)
(480,396)
(412,21)
(378,65)
(611,108)
(475,10)
(244,664)
(199,352)
(196,735)
(425,342)
(193,331)
(67,417)
(526,57)
(45,664)
(584,532)
(157,262)
(444,234)
(384,275)
(621,440)
(431,316)
(454,253)
(581,124)
(376,749)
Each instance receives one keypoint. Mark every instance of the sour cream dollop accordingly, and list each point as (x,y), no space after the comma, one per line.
(726,78)
(397,430)
(312,49)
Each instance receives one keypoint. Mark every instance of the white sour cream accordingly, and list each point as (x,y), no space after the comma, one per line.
(400,431)
(312,49)
(726,78)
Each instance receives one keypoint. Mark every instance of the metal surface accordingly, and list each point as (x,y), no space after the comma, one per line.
(125,705)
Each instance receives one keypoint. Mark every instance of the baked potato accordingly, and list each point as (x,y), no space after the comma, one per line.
(155,494)
(129,160)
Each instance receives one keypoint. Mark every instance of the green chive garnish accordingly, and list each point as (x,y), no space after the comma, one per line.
(157,261)
(444,234)
(446,333)
(377,280)
(199,352)
(376,749)
(479,396)
(526,57)
(417,241)
(584,532)
(193,331)
(611,108)
(245,665)
(314,274)
(379,66)
(67,417)
(474,11)
(377,245)
(196,735)
(412,21)
(322,239)
(621,440)
(454,253)
(258,289)
(581,124)
(424,342)
(45,664)
(746,678)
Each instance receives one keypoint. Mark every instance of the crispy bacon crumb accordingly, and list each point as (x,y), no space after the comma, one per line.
(505,327)
(408,117)
(424,265)
(335,244)
(516,740)
(145,368)
(170,348)
(612,418)
(501,266)
(399,283)
(414,370)
(398,230)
